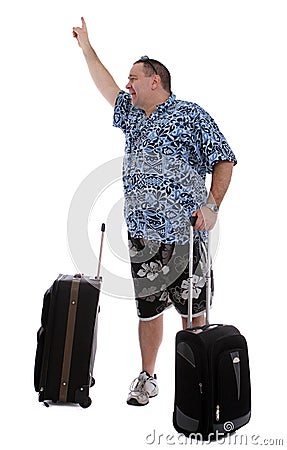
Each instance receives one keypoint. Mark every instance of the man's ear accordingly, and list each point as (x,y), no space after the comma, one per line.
(156,82)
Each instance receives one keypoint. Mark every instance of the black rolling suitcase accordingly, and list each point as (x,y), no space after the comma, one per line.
(67,339)
(212,378)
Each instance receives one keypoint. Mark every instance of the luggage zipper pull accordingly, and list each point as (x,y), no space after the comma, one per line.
(217,413)
(200,387)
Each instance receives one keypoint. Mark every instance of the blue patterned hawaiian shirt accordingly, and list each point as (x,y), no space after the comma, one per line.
(167,157)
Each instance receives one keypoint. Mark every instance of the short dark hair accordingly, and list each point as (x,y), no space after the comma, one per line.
(162,71)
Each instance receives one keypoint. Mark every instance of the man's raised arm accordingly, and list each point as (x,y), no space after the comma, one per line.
(102,78)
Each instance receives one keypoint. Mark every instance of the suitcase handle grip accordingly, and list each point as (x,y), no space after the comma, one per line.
(193,219)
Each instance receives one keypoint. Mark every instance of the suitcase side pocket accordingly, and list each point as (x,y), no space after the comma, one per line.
(233,386)
(41,340)
(39,358)
(188,391)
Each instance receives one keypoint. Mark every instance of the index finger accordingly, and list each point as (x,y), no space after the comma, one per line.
(83,23)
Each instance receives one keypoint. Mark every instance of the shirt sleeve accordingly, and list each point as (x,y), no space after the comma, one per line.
(215,147)
(121,110)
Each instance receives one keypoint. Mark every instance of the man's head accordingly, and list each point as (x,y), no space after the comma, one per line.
(149,83)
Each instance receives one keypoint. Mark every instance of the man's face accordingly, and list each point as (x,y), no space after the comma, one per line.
(140,87)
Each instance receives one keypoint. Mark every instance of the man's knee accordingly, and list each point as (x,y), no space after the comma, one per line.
(198,321)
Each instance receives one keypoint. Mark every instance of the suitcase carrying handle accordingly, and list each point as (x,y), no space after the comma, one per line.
(193,220)
(202,328)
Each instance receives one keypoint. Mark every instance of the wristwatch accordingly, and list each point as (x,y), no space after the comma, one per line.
(214,208)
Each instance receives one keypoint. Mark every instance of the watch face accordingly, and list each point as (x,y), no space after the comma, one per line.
(213,207)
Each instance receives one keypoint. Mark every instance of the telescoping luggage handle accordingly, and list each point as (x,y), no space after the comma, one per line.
(207,275)
(79,275)
(103,227)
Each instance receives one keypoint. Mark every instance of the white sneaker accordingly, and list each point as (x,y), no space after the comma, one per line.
(141,389)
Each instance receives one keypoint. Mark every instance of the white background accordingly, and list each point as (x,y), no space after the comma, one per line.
(229,57)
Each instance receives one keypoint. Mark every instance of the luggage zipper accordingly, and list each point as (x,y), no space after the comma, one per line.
(217,413)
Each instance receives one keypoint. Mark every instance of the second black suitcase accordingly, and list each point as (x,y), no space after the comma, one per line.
(67,339)
(212,377)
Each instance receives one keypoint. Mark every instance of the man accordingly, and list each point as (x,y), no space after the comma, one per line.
(170,146)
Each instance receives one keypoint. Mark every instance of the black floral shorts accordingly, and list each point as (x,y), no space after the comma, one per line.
(161,277)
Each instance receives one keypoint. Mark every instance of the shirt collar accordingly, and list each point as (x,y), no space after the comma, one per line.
(161,107)
(164,106)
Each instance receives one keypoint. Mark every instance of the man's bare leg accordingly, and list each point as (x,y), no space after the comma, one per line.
(150,338)
(198,321)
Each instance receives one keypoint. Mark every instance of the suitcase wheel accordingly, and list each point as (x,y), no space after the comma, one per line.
(86,403)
